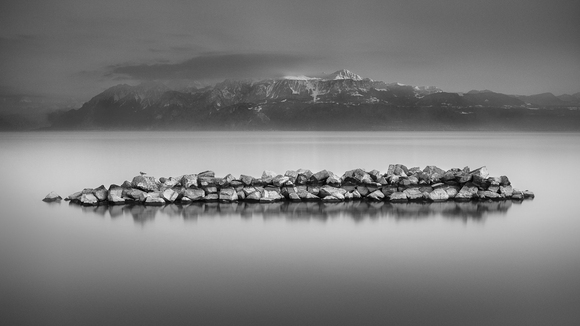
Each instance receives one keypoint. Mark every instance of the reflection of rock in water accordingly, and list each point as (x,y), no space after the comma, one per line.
(296,211)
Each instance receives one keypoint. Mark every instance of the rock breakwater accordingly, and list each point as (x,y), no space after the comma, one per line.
(397,184)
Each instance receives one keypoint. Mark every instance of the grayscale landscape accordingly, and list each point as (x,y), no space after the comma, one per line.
(289,163)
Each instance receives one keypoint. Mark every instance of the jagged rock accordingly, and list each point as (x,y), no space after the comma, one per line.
(320,177)
(241,195)
(208,174)
(494,181)
(451,191)
(225,181)
(115,195)
(356,194)
(210,190)
(467,192)
(397,169)
(438,194)
(52,196)
(517,194)
(327,190)
(382,181)
(249,190)
(253,196)
(172,182)
(432,169)
(493,188)
(305,195)
(101,193)
(480,174)
(464,178)
(348,196)
(375,175)
(331,199)
(294,197)
(206,181)
(186,200)
(413,194)
(303,176)
(398,197)
(313,190)
(363,190)
(388,190)
(246,179)
(529,194)
(154,201)
(237,184)
(269,174)
(356,176)
(194,194)
(189,180)
(292,175)
(228,194)
(280,180)
(491,195)
(145,183)
(333,180)
(376,195)
(169,195)
(126,184)
(504,181)
(507,191)
(75,197)
(89,199)
(211,197)
(135,194)
(270,195)
(414,170)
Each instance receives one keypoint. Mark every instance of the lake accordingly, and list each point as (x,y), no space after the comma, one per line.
(357,263)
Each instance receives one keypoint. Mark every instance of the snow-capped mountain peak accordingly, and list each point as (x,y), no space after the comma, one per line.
(343,74)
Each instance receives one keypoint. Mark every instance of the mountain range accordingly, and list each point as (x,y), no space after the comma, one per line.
(342,100)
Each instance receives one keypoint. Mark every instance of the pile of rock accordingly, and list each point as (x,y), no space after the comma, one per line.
(398,184)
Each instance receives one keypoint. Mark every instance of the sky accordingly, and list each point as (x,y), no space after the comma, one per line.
(78,48)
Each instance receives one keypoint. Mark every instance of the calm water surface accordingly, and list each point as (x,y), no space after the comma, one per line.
(280,264)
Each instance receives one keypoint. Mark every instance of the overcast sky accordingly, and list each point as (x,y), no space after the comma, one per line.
(78,48)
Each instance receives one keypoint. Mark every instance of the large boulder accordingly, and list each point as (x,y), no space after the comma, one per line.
(305,195)
(115,195)
(89,199)
(292,175)
(529,194)
(194,194)
(246,179)
(189,180)
(228,194)
(320,177)
(398,170)
(75,197)
(356,176)
(154,201)
(467,192)
(226,181)
(280,180)
(438,194)
(327,190)
(398,197)
(208,174)
(303,176)
(333,180)
(101,193)
(169,195)
(52,196)
(413,193)
(376,195)
(253,196)
(135,194)
(507,191)
(145,183)
(269,174)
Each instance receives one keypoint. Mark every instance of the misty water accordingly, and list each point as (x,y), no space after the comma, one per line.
(356,263)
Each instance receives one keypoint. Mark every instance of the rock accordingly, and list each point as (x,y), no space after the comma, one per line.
(438,194)
(115,195)
(313,190)
(465,178)
(305,195)
(294,197)
(331,191)
(491,195)
(303,176)
(208,174)
(249,190)
(517,194)
(398,197)
(52,196)
(480,174)
(135,194)
(169,195)
(75,197)
(356,176)
(414,170)
(528,194)
(89,199)
(280,180)
(172,182)
(241,195)
(413,194)
(194,194)
(467,192)
(126,184)
(432,169)
(189,180)
(292,175)
(246,179)
(211,197)
(375,175)
(356,194)
(388,190)
(145,183)
(228,194)
(154,201)
(376,195)
(237,184)
(101,193)
(504,181)
(319,177)
(268,174)
(270,195)
(333,180)
(210,190)
(206,181)
(331,199)
(507,191)
(382,181)
(363,191)
(225,181)
(186,200)
(348,196)
(253,196)
(451,191)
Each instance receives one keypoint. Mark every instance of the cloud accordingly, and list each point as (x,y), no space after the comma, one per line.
(218,66)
